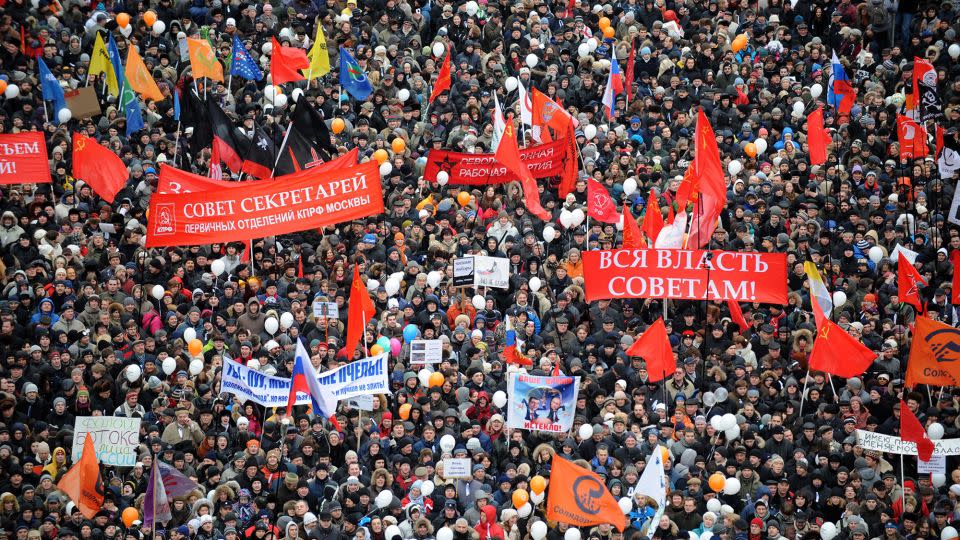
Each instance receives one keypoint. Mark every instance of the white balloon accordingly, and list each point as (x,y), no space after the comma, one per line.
(499,398)
(578,216)
(392,286)
(159,27)
(296,94)
(538,530)
(549,233)
(586,431)
(443,177)
(935,431)
(592,44)
(12,91)
(445,533)
(217,267)
(839,298)
(761,145)
(392,532)
(816,90)
(694,536)
(734,167)
(626,505)
(189,335)
(731,486)
(447,442)
(535,284)
(269,92)
(732,433)
(438,49)
(875,253)
(471,8)
(726,510)
(271,325)
(828,531)
(384,498)
(196,366)
(717,422)
(286,319)
(948,533)
(267,47)
(532,60)
(511,84)
(372,284)
(583,50)
(709,399)
(525,510)
(158,291)
(427,488)
(386,168)
(713,505)
(169,365)
(707,535)
(590,131)
(253,363)
(536,498)
(133,372)
(280,100)
(64,115)
(434,278)
(938,480)
(954,51)
(424,376)
(629,186)
(479,302)
(403,94)
(729,420)
(572,533)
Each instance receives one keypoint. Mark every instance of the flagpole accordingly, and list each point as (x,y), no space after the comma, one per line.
(176,143)
(803,393)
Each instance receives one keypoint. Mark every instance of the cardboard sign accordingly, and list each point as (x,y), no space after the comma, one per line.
(426,351)
(83,102)
(114,437)
(936,465)
(457,468)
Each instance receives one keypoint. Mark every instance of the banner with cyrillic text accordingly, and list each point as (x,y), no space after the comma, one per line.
(265,208)
(685,275)
(890,444)
(174,180)
(115,438)
(366,376)
(23,158)
(544,160)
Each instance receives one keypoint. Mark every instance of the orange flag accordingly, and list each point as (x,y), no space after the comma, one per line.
(82,483)
(838,353)
(443,78)
(98,166)
(203,60)
(654,347)
(508,155)
(817,137)
(934,354)
(140,77)
(632,237)
(579,497)
(359,312)
(652,219)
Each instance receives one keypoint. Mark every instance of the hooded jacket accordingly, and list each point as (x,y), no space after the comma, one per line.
(488,528)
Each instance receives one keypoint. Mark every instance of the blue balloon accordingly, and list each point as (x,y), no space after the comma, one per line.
(410,333)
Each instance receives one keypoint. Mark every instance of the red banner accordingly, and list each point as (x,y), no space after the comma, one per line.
(23,158)
(544,160)
(682,274)
(173,180)
(265,208)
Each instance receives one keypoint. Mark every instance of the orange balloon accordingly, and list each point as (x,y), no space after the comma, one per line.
(405,411)
(750,149)
(195,347)
(376,349)
(538,484)
(129,515)
(150,17)
(664,453)
(3,86)
(463,198)
(381,156)
(398,145)
(436,379)
(739,43)
(338,125)
(604,23)
(520,498)
(123,20)
(717,481)
(609,32)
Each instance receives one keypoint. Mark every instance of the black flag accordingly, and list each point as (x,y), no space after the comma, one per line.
(224,136)
(307,143)
(259,153)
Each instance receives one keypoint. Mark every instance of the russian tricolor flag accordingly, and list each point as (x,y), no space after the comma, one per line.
(614,86)
(837,73)
(305,379)
(510,353)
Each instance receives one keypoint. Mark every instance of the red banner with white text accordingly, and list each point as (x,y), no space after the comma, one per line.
(23,158)
(682,274)
(265,208)
(173,180)
(543,160)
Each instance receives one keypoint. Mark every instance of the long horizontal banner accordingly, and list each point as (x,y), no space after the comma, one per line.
(544,160)
(367,376)
(173,180)
(258,209)
(23,158)
(891,444)
(681,274)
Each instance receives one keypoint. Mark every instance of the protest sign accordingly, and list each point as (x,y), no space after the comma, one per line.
(83,102)
(363,402)
(257,209)
(366,376)
(936,465)
(891,444)
(541,403)
(463,272)
(23,158)
(491,272)
(683,275)
(173,180)
(544,160)
(457,468)
(426,351)
(115,439)
(325,310)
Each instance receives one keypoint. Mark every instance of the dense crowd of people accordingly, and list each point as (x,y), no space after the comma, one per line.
(77,307)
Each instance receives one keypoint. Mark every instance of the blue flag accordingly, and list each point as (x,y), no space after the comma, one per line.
(131,108)
(352,77)
(243,65)
(176,105)
(115,59)
(51,89)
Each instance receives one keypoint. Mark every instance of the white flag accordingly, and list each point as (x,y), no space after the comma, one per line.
(652,482)
(499,124)
(526,112)
(671,236)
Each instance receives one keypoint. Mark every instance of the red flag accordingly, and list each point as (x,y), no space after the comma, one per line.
(708,173)
(443,78)
(98,166)
(737,315)
(630,67)
(632,237)
(599,204)
(300,266)
(508,155)
(652,218)
(216,165)
(546,112)
(817,137)
(955,288)
(909,282)
(359,313)
(912,430)
(838,353)
(82,483)
(654,347)
(912,137)
(849,96)
(286,63)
